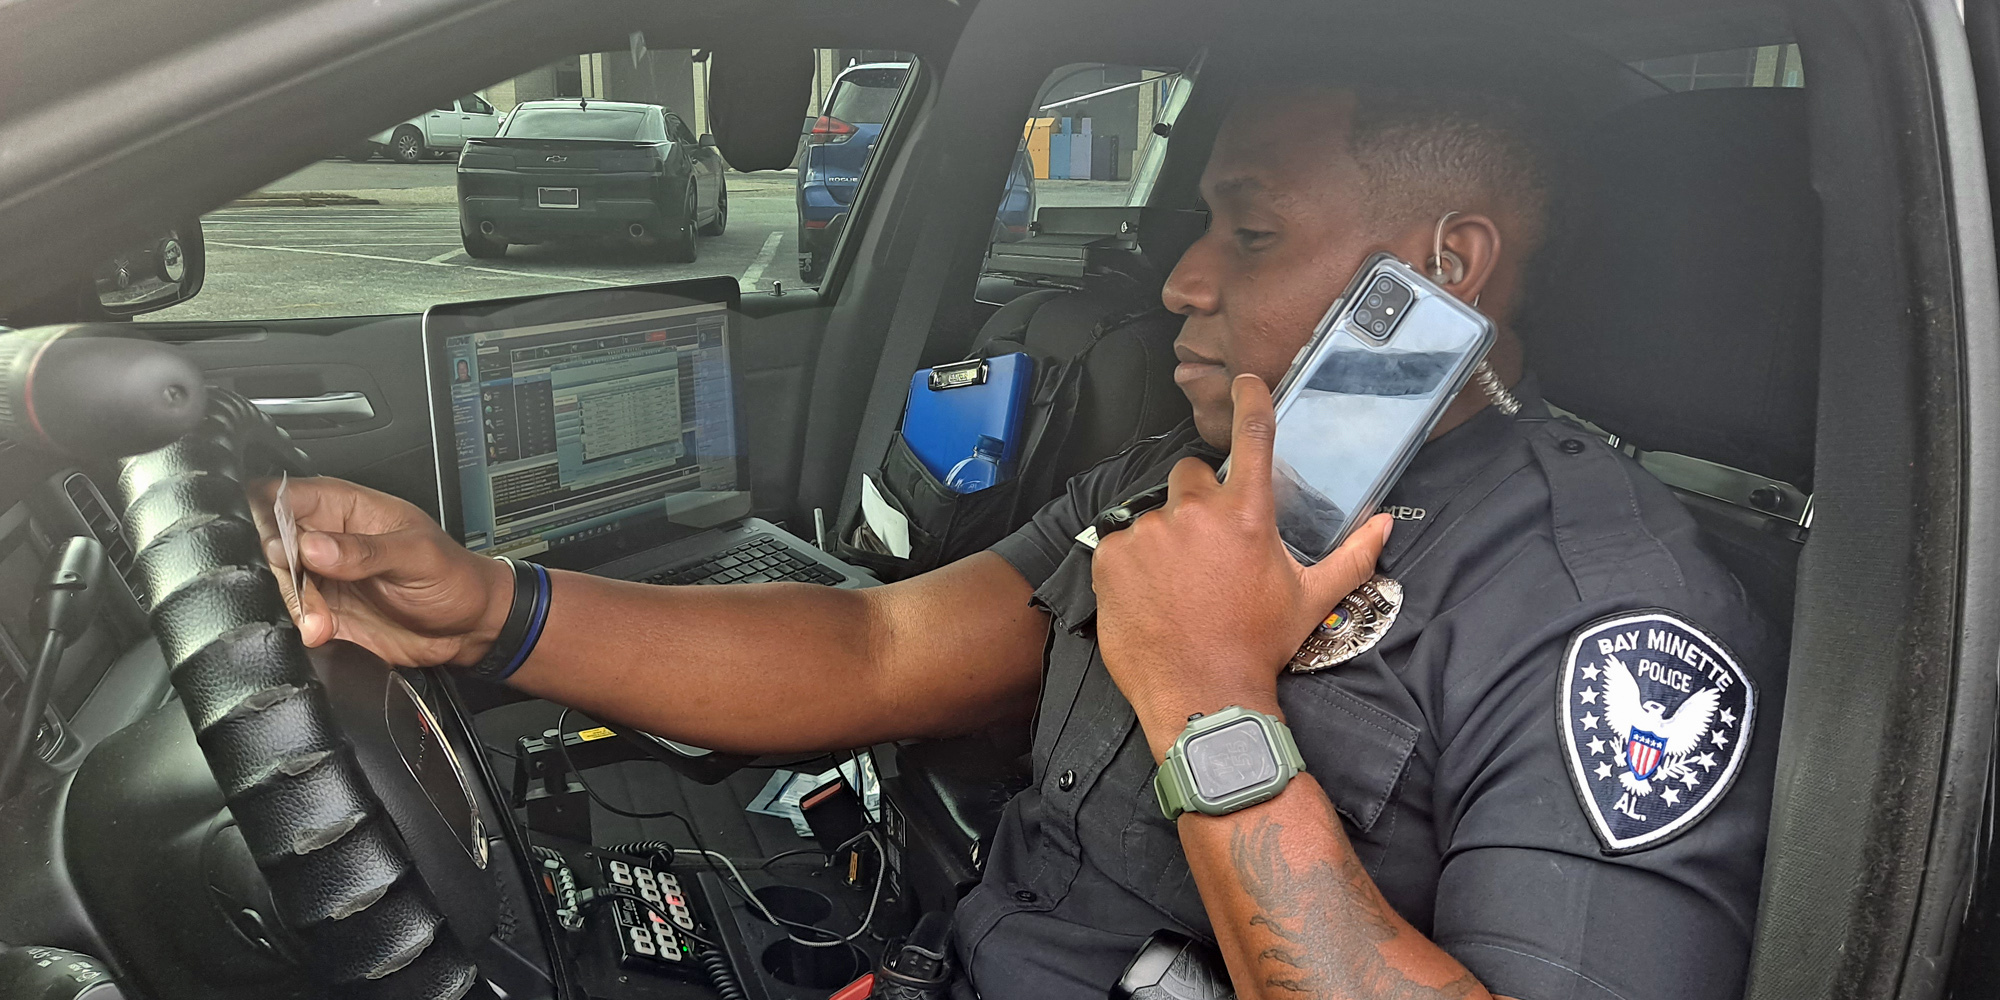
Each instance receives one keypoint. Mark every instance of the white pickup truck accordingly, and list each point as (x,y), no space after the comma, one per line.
(440,130)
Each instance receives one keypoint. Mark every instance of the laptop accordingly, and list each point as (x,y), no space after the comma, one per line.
(602,431)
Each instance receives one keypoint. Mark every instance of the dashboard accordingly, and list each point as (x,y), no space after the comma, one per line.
(110,678)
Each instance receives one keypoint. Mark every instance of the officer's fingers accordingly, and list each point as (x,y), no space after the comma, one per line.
(1252,432)
(1191,477)
(1348,566)
(342,555)
(314,617)
(323,503)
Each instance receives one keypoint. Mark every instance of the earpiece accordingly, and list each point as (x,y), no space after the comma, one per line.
(1445,267)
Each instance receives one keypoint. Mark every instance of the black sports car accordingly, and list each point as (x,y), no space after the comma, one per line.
(562,169)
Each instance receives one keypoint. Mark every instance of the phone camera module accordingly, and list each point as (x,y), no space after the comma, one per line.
(1382,308)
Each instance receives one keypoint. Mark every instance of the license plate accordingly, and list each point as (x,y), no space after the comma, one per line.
(557,198)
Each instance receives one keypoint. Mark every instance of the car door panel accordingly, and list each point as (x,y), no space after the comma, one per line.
(441,128)
(379,357)
(474,123)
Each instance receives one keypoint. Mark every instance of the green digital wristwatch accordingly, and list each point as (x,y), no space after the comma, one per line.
(1231,760)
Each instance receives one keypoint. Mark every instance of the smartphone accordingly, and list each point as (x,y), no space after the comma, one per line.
(1363,396)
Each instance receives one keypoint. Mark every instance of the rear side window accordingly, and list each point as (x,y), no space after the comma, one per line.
(575,123)
(867,96)
(1097,133)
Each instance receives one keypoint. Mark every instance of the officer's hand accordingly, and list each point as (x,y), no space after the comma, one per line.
(385,576)
(1199,604)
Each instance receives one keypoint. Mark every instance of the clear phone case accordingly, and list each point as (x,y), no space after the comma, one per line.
(1386,361)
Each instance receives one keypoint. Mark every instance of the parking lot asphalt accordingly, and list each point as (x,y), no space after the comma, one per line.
(278,255)
(358,239)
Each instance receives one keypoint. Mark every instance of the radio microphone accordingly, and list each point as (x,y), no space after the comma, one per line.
(93,391)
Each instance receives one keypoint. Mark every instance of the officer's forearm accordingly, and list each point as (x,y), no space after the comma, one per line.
(1297,915)
(778,668)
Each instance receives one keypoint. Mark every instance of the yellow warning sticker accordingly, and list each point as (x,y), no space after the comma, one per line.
(600,733)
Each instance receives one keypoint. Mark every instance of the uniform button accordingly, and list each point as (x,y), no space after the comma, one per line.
(1067,781)
(1571,446)
(1025,896)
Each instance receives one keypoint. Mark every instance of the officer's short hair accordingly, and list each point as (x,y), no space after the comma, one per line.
(1428,150)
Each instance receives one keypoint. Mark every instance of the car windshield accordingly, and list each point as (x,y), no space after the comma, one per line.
(866,96)
(575,123)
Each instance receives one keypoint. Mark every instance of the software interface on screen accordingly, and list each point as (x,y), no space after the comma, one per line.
(569,430)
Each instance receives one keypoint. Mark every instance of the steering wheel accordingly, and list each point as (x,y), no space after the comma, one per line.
(311,752)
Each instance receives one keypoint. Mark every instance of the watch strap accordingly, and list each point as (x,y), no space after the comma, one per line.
(1173,783)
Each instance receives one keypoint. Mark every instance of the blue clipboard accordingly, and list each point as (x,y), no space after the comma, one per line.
(952,406)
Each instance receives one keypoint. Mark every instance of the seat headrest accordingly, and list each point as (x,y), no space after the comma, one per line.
(1677,304)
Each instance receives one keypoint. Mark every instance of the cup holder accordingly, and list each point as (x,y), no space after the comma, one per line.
(814,968)
(800,906)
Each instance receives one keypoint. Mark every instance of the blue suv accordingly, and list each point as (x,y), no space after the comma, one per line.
(837,148)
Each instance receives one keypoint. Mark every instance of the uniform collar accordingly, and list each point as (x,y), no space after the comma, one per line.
(1443,471)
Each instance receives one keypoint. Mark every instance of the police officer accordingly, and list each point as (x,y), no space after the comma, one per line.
(1538,744)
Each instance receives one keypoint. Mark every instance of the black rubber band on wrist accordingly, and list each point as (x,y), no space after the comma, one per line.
(523,627)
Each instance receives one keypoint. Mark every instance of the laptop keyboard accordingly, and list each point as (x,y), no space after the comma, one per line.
(760,560)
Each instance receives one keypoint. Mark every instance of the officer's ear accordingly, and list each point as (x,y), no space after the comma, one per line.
(1463,253)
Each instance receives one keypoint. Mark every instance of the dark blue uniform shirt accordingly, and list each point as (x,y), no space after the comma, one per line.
(1440,747)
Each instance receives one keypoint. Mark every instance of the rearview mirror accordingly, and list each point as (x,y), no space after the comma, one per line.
(163,271)
(707,139)
(754,96)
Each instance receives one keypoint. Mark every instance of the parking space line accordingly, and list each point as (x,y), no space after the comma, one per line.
(447,255)
(755,271)
(422,263)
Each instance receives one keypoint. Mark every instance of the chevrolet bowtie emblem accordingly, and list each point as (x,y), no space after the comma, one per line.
(558,158)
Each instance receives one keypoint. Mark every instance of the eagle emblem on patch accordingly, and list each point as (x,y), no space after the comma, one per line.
(1655,718)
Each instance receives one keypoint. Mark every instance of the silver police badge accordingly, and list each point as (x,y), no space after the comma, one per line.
(1357,623)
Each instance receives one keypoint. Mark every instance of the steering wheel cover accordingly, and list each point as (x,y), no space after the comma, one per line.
(342,879)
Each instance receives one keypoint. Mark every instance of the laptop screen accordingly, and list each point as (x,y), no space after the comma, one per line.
(573,418)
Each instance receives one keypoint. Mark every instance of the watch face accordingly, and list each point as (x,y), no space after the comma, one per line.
(1231,759)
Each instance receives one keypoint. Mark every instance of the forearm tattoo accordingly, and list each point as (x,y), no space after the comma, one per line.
(1326,924)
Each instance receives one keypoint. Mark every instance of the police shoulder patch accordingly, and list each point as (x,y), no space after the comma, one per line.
(1655,717)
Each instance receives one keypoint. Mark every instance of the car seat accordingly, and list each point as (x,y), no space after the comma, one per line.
(1121,340)
(1676,309)
(1102,346)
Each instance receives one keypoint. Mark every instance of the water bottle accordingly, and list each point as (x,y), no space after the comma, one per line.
(981,470)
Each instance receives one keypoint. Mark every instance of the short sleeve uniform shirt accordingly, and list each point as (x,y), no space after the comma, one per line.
(1462,751)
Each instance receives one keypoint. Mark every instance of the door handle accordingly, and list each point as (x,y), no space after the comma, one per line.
(338,407)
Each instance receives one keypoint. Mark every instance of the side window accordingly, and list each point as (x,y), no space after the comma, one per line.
(1095,137)
(475,205)
(1098,131)
(852,105)
(1763,66)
